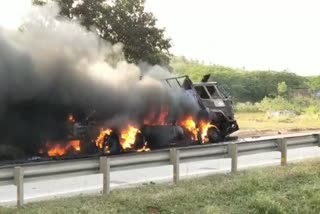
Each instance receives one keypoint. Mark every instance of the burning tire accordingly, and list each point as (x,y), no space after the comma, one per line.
(213,135)
(163,136)
(139,142)
(199,137)
(113,144)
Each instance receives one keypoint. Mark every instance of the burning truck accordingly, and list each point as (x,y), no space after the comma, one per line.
(212,123)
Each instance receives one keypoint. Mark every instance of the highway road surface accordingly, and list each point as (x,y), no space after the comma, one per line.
(92,184)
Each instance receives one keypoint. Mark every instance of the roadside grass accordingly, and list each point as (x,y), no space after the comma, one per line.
(259,121)
(291,189)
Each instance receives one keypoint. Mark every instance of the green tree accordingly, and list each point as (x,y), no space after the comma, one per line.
(39,2)
(282,89)
(315,83)
(124,21)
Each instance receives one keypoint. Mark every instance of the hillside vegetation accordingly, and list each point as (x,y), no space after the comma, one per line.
(245,86)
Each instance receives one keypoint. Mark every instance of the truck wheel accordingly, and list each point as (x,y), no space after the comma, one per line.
(139,143)
(113,143)
(199,138)
(9,152)
(213,135)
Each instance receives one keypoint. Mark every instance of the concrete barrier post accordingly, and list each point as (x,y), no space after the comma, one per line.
(105,170)
(317,136)
(175,159)
(18,181)
(233,153)
(283,149)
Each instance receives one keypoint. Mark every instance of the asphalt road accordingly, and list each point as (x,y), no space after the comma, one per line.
(93,184)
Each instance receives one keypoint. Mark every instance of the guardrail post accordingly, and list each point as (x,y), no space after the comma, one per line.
(233,153)
(18,181)
(283,149)
(105,170)
(174,160)
(317,136)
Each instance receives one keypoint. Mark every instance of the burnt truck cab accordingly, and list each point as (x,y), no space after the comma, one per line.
(214,104)
(218,105)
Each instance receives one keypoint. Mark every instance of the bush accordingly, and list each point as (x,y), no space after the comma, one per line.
(307,106)
(313,112)
(276,104)
(246,107)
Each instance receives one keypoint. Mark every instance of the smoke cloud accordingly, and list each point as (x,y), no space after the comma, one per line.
(51,67)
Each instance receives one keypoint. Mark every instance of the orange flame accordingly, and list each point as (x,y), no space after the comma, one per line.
(189,124)
(71,118)
(162,120)
(128,137)
(152,119)
(204,127)
(58,149)
(144,148)
(149,119)
(100,139)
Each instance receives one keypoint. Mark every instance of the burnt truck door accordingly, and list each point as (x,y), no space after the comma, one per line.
(214,100)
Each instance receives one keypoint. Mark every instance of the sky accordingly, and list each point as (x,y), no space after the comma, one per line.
(12,12)
(251,34)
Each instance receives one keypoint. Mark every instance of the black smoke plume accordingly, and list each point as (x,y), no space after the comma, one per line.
(52,67)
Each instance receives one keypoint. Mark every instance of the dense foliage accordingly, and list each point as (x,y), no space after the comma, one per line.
(315,83)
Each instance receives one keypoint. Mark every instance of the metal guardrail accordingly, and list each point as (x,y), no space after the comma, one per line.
(30,172)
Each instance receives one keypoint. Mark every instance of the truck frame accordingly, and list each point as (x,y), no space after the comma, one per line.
(213,105)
